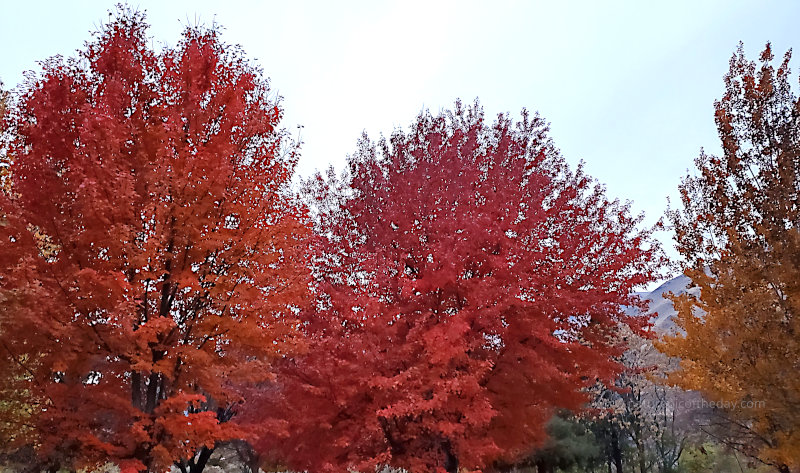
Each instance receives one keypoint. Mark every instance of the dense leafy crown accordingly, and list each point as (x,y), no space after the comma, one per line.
(151,253)
(468,284)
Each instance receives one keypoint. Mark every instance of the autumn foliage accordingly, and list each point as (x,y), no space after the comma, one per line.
(152,258)
(163,293)
(468,284)
(738,231)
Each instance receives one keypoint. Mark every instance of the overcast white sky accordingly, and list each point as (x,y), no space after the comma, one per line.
(628,87)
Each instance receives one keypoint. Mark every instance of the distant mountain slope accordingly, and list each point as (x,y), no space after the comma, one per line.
(660,308)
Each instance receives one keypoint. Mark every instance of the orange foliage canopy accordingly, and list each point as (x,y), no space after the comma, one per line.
(739,230)
(469,285)
(151,253)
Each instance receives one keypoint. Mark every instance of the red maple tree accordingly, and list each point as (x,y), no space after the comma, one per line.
(152,255)
(468,285)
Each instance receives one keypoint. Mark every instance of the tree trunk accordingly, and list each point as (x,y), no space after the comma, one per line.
(136,389)
(542,466)
(616,452)
(450,460)
(200,464)
(152,391)
(640,451)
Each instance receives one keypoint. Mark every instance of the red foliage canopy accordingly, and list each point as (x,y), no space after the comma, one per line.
(469,285)
(151,252)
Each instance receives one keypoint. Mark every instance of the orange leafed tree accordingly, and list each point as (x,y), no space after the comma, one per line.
(739,232)
(151,254)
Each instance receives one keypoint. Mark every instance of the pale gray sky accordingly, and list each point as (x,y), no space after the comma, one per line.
(628,87)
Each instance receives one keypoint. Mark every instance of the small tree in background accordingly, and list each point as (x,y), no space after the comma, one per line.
(151,255)
(654,421)
(739,232)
